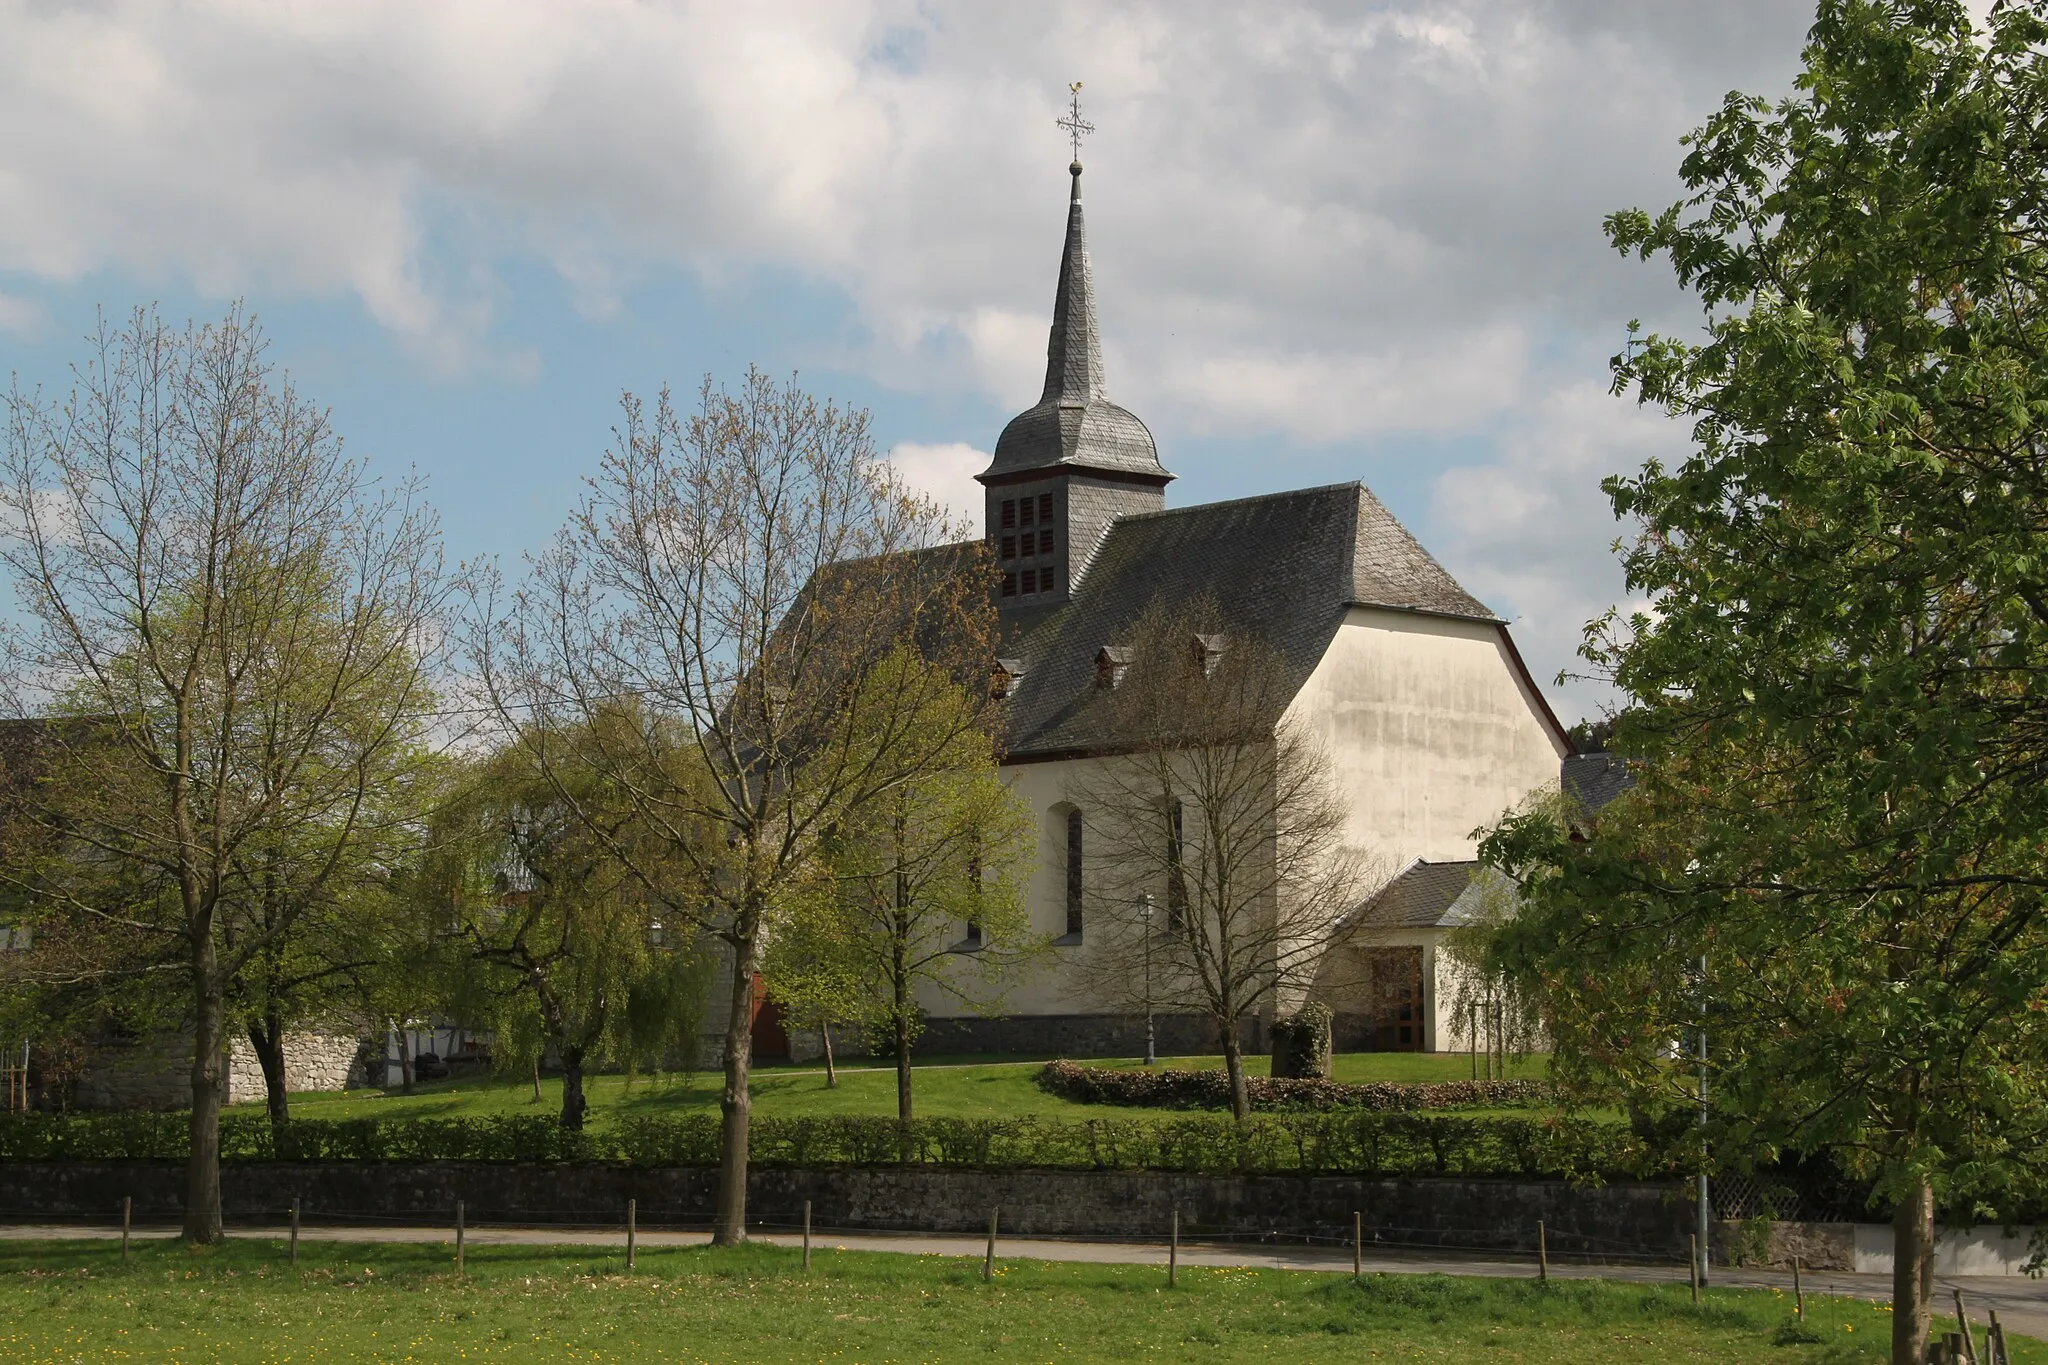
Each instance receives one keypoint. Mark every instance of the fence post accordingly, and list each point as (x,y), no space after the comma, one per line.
(1969,1337)
(295,1230)
(458,1237)
(988,1262)
(1173,1251)
(1692,1263)
(1542,1253)
(1996,1333)
(1798,1293)
(127,1218)
(807,1236)
(1357,1246)
(632,1232)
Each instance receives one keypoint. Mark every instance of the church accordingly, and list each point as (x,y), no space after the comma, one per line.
(1431,721)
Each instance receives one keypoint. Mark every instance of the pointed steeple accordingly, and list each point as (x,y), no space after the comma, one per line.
(1073,356)
(1074,425)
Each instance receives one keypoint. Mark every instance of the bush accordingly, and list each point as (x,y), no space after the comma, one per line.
(1355,1142)
(1211,1090)
(1301,1044)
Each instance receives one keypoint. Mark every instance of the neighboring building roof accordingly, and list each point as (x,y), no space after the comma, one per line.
(1422,897)
(1073,424)
(1593,780)
(1281,568)
(1429,895)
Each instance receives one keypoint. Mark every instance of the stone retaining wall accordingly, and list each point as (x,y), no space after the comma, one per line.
(1619,1222)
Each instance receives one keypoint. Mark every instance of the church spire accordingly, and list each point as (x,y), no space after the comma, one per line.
(1073,462)
(1073,354)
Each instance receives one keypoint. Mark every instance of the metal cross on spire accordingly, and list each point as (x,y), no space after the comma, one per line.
(1077,128)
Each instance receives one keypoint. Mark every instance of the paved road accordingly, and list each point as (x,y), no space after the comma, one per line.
(2021,1303)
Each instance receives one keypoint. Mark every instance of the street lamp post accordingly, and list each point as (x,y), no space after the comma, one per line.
(1145,917)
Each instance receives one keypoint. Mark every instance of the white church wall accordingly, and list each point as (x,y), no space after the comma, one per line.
(1430,730)
(1044,787)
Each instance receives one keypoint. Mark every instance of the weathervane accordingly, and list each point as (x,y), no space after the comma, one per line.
(1076,127)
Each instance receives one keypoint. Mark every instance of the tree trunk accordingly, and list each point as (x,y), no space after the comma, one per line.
(1912,1272)
(209,1041)
(573,1104)
(831,1071)
(536,1078)
(405,1059)
(729,1227)
(902,1064)
(267,1037)
(1233,1062)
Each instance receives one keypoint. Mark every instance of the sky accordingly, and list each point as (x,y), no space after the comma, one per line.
(1330,241)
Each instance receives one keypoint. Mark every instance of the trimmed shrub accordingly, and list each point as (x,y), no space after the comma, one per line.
(1211,1090)
(1355,1142)
(1301,1044)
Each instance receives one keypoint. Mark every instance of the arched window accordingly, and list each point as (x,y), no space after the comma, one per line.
(1076,856)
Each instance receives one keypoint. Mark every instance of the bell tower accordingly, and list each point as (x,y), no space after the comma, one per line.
(1073,462)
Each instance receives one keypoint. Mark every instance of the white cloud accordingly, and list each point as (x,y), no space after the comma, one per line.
(1325,219)
(19,314)
(945,474)
(1532,534)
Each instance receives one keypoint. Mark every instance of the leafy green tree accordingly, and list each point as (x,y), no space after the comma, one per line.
(1837,699)
(565,950)
(812,971)
(230,630)
(922,885)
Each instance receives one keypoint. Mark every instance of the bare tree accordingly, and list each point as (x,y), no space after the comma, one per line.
(741,572)
(244,620)
(1218,833)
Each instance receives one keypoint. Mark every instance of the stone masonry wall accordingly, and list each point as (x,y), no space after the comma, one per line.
(1615,1222)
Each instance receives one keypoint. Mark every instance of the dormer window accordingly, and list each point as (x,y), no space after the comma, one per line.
(1004,680)
(1111,664)
(1208,652)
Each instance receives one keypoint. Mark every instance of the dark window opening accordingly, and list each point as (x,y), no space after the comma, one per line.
(1030,544)
(1045,542)
(1030,580)
(1176,874)
(1009,585)
(1009,547)
(1074,854)
(1025,506)
(1010,512)
(1045,507)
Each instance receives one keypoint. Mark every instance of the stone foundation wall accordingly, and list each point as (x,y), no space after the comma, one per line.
(156,1073)
(1610,1222)
(312,1061)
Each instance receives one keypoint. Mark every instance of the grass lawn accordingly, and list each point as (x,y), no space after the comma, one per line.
(242,1302)
(976,1089)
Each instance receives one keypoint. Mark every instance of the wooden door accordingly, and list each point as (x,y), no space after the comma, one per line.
(1394,983)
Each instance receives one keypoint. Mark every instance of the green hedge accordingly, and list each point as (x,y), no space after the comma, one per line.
(1210,1089)
(1350,1143)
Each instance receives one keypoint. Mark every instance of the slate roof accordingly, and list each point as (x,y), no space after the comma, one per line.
(1425,896)
(1074,424)
(1593,780)
(1282,569)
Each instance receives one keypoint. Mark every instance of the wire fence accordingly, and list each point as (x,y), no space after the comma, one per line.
(541,1226)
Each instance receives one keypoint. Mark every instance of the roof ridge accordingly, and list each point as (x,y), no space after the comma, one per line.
(1240,502)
